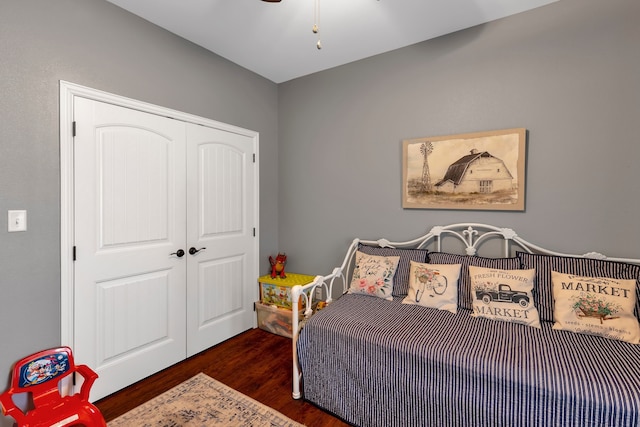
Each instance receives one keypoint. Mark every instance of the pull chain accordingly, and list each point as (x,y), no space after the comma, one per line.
(316,24)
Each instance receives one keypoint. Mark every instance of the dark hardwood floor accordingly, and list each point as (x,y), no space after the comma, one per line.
(256,363)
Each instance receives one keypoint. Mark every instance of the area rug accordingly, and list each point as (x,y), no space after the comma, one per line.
(202,401)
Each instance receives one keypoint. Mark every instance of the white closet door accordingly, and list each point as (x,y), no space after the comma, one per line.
(129,285)
(220,227)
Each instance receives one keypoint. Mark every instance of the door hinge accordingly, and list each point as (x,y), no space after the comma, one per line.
(73,129)
(74,253)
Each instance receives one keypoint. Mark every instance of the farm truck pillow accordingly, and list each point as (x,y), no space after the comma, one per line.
(373,275)
(596,306)
(504,295)
(433,285)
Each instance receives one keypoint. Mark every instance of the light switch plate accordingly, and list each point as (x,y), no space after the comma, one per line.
(17,221)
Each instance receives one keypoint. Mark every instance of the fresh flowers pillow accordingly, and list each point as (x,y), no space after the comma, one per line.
(433,285)
(596,306)
(504,295)
(373,275)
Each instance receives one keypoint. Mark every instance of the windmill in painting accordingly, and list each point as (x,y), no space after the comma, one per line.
(425,149)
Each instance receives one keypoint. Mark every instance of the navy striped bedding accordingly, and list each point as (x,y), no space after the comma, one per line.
(381,363)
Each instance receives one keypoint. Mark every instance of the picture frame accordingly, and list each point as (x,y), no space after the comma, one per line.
(473,171)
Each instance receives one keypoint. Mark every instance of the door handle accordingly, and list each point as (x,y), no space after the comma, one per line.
(193,251)
(179,253)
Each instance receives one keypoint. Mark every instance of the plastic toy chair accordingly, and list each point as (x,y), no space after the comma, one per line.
(39,374)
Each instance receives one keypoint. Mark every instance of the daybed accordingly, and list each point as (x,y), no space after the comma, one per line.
(381,362)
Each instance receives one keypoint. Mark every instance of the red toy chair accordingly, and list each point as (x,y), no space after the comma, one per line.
(39,374)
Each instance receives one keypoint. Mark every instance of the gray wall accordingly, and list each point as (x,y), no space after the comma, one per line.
(95,44)
(568,72)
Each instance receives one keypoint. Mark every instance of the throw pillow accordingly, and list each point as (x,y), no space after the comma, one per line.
(401,278)
(434,285)
(504,295)
(464,286)
(373,275)
(596,306)
(590,267)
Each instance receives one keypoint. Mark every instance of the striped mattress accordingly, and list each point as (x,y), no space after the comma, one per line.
(374,362)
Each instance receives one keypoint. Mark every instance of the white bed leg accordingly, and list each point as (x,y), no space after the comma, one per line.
(296,369)
(295,296)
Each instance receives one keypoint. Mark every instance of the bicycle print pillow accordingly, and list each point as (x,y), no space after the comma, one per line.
(596,306)
(504,295)
(373,275)
(433,285)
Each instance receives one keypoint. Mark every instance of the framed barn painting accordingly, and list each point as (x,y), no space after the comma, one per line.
(477,171)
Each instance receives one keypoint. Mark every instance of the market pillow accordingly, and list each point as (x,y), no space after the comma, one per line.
(504,295)
(434,285)
(596,306)
(401,278)
(589,267)
(373,275)
(464,285)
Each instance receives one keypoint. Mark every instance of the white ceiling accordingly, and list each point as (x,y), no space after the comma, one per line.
(276,40)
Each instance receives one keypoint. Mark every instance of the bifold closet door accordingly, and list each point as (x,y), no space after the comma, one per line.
(164,225)
(221,283)
(130,215)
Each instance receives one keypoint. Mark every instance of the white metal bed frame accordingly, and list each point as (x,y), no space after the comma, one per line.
(472,235)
